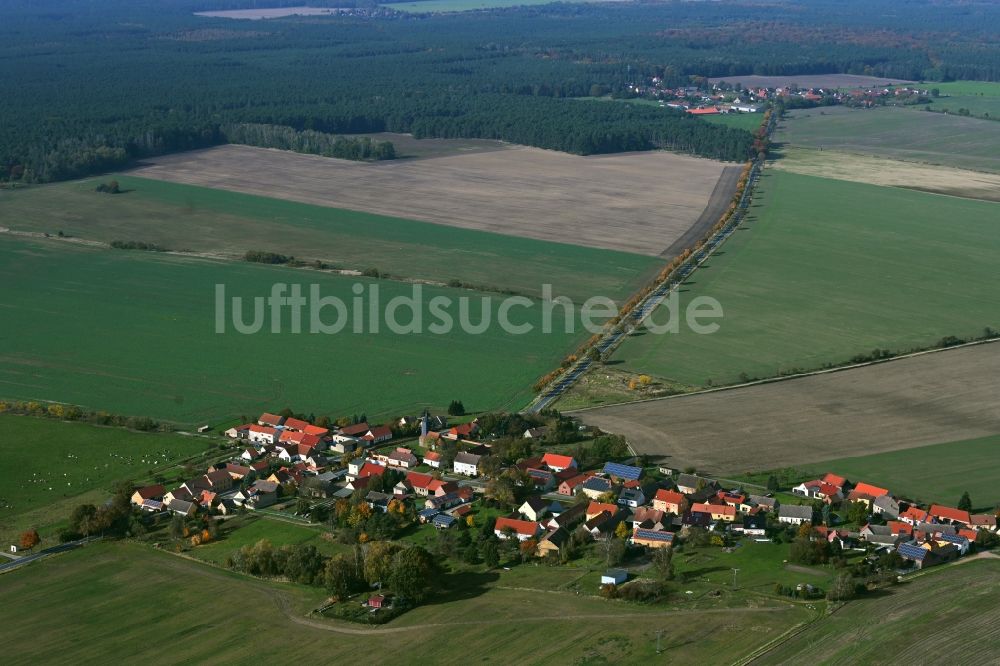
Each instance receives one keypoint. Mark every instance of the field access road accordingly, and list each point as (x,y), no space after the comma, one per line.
(638,314)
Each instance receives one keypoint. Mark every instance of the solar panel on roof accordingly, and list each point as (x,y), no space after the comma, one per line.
(654,535)
(622,471)
(912,551)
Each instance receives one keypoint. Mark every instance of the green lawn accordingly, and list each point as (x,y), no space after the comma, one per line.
(827,269)
(246,531)
(185,217)
(905,134)
(134,333)
(760,565)
(935,473)
(909,624)
(51,466)
(137,604)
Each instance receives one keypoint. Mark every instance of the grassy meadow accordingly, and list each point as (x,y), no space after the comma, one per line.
(248,530)
(134,333)
(904,134)
(826,269)
(135,602)
(935,473)
(187,217)
(749,121)
(51,466)
(909,624)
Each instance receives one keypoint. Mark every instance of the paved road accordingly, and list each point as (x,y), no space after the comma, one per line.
(42,554)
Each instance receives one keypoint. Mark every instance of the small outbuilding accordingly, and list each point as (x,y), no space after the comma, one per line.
(614,577)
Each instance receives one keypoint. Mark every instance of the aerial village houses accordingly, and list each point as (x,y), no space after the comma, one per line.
(522,530)
(793,514)
(467,464)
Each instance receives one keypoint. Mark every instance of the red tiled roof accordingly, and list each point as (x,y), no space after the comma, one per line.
(899,527)
(669,497)
(915,514)
(432,455)
(525,527)
(270,419)
(703,112)
(868,489)
(556,460)
(968,534)
(714,509)
(983,520)
(464,429)
(829,489)
(370,469)
(149,492)
(418,480)
(259,428)
(378,432)
(356,429)
(948,513)
(296,424)
(595,508)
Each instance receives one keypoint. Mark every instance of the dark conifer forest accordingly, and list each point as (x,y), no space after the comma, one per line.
(88,86)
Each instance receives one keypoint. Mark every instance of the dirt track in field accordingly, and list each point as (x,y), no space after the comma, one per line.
(637,202)
(927,399)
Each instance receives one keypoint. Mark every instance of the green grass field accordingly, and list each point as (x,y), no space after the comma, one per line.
(749,121)
(51,466)
(134,333)
(909,624)
(905,134)
(984,88)
(185,217)
(246,531)
(136,603)
(828,269)
(935,473)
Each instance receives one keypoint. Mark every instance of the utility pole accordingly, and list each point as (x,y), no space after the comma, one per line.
(659,633)
(735,571)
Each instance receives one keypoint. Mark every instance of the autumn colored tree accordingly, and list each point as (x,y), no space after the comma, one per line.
(30,539)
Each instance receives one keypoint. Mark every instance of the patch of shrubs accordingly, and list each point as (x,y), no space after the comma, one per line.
(261,257)
(137,245)
(109,188)
(74,413)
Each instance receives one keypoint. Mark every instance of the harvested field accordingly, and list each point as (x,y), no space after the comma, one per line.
(227,224)
(896,133)
(902,404)
(808,81)
(891,173)
(639,202)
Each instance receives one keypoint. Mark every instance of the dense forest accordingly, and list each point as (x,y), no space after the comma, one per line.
(90,85)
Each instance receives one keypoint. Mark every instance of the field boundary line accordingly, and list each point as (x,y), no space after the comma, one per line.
(800,375)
